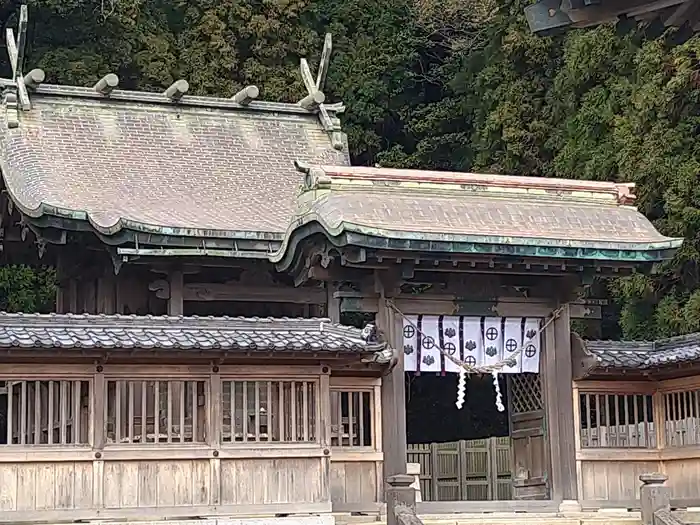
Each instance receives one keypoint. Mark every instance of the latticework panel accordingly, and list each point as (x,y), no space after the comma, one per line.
(525,393)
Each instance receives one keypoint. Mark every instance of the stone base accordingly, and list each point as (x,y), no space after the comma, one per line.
(570,506)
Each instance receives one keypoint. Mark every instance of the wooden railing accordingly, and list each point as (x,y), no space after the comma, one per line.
(625,429)
(84,442)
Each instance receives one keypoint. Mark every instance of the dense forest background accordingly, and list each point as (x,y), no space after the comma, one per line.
(453,84)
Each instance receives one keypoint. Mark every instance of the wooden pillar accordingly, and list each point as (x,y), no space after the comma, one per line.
(176,300)
(332,303)
(558,385)
(393,391)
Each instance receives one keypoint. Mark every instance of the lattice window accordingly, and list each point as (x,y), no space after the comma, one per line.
(151,412)
(352,412)
(682,424)
(46,412)
(525,393)
(616,420)
(263,411)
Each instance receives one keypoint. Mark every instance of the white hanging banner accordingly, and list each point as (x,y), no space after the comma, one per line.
(476,341)
(493,340)
(473,341)
(533,348)
(513,344)
(410,343)
(429,337)
(450,342)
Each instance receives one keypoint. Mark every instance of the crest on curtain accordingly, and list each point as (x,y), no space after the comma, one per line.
(476,341)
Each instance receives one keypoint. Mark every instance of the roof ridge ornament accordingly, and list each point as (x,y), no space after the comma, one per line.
(315,98)
(17,96)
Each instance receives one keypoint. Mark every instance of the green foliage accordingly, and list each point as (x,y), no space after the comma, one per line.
(456,84)
(26,289)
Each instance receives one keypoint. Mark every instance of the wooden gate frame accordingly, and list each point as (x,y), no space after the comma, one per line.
(557,381)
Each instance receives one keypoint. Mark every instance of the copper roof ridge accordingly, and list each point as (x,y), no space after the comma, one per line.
(623,192)
(193,101)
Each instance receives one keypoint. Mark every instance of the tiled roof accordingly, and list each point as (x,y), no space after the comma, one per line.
(644,355)
(68,331)
(202,167)
(465,207)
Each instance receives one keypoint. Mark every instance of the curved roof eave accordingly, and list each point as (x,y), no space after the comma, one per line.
(126,231)
(354,234)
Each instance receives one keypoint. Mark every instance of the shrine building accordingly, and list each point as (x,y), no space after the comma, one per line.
(196,365)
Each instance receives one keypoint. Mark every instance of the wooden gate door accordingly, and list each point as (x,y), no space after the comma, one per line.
(528,435)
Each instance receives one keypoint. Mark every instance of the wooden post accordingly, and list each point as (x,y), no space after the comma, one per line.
(213,406)
(401,497)
(492,471)
(462,469)
(562,335)
(558,384)
(654,495)
(434,467)
(393,387)
(332,302)
(176,300)
(98,406)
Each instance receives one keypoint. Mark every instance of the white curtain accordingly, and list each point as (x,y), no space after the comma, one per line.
(477,341)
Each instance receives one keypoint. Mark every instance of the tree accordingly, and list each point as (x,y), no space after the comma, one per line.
(459,85)
(26,289)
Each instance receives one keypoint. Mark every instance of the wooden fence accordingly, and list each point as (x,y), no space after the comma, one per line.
(476,470)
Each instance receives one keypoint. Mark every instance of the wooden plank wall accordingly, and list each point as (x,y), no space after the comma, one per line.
(182,441)
(625,429)
(465,470)
(356,444)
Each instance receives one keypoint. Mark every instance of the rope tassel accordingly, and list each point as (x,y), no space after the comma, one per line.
(461,388)
(499,398)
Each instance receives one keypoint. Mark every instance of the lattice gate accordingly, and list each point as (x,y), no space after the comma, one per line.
(528,436)
(525,393)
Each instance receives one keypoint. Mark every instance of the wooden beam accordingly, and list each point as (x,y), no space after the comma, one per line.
(246,95)
(325,61)
(237,292)
(177,90)
(686,12)
(450,305)
(581,361)
(106,84)
(34,78)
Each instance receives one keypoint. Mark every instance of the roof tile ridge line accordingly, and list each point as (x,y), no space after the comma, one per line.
(213,102)
(674,342)
(622,190)
(155,322)
(342,330)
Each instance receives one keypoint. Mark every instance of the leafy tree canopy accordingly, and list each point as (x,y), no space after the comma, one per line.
(456,84)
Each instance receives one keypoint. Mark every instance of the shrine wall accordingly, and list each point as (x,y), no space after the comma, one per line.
(628,428)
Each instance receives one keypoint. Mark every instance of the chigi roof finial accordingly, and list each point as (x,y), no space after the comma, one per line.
(315,97)
(16,93)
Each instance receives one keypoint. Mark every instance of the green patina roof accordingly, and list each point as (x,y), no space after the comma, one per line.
(425,211)
(218,178)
